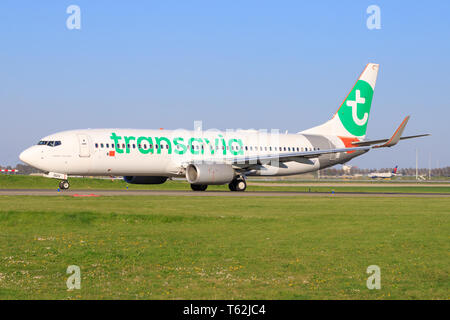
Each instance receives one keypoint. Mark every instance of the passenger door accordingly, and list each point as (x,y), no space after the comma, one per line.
(84,146)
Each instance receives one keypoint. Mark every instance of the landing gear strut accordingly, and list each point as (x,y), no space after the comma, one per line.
(199,187)
(238,184)
(64,185)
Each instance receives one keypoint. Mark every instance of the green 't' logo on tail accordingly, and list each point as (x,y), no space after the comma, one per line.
(354,112)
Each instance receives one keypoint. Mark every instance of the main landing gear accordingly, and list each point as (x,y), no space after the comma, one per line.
(199,187)
(64,185)
(238,184)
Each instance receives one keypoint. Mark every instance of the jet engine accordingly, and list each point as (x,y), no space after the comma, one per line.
(209,173)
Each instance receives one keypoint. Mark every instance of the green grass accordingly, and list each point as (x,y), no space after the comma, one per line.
(167,247)
(35,182)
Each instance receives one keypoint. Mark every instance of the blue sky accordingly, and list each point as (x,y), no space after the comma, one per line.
(232,64)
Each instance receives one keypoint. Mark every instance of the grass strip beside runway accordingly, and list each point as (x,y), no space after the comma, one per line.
(162,247)
(34,182)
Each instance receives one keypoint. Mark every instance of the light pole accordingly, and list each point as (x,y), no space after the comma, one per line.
(417,164)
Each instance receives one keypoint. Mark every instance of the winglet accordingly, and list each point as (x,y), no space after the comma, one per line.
(396,136)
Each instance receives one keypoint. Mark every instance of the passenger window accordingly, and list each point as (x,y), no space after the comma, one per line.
(96,145)
(101,145)
(123,145)
(107,145)
(167,146)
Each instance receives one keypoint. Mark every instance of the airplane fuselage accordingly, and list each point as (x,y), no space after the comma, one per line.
(132,152)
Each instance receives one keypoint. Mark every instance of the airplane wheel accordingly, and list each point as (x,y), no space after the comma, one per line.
(199,187)
(238,184)
(64,185)
(241,185)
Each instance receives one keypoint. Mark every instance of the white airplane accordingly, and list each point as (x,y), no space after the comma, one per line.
(212,157)
(383,175)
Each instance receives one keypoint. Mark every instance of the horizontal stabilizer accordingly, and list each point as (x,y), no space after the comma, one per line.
(396,137)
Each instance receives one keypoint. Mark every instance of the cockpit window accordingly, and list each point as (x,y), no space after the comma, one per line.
(49,143)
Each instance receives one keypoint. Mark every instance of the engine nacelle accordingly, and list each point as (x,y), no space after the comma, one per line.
(144,179)
(209,173)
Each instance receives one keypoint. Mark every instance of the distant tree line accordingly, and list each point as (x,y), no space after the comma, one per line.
(338,171)
(334,171)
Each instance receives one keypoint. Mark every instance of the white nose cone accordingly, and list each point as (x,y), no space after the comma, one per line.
(28,156)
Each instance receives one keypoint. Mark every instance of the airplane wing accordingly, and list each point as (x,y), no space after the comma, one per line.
(285,157)
(396,137)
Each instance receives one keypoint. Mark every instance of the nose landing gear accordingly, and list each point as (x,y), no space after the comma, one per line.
(64,185)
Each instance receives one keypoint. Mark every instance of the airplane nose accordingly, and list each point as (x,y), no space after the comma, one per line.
(28,156)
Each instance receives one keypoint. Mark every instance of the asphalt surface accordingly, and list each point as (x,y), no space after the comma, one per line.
(92,193)
(348,184)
